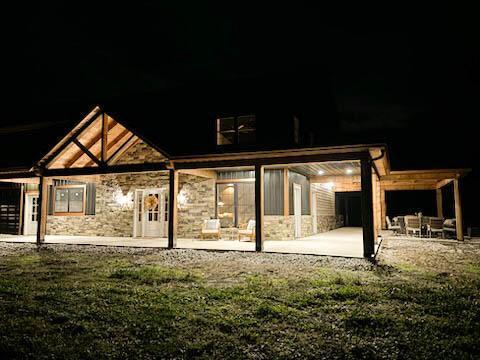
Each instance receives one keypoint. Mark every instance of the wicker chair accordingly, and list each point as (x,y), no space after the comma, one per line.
(413,224)
(435,226)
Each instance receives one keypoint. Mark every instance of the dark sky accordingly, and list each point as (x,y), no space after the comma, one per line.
(410,74)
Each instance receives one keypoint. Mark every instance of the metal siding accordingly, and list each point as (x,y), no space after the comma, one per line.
(244,174)
(273,184)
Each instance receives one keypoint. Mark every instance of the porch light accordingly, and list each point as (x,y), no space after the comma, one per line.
(125,201)
(349,171)
(329,185)
(182,198)
(321,172)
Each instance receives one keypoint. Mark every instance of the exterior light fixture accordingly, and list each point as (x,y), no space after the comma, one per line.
(321,172)
(125,201)
(349,171)
(329,185)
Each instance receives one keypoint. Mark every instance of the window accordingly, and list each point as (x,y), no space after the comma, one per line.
(69,200)
(235,203)
(235,130)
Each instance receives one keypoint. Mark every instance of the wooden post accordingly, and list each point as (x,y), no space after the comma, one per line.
(383,204)
(172,209)
(458,209)
(286,194)
(259,207)
(367,209)
(42,210)
(21,209)
(439,203)
(104,140)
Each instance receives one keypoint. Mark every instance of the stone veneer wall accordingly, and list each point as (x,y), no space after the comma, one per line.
(279,227)
(328,222)
(110,219)
(198,194)
(140,153)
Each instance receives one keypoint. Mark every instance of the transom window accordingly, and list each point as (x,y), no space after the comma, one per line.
(235,130)
(69,200)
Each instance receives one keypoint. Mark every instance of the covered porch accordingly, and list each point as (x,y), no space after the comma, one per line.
(339,242)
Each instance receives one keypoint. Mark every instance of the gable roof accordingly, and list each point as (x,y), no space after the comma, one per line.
(96,140)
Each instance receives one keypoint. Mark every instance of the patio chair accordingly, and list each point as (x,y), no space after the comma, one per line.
(413,225)
(435,226)
(450,228)
(401,223)
(210,229)
(395,228)
(247,230)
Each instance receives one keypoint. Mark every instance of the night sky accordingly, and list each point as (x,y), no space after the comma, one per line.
(407,76)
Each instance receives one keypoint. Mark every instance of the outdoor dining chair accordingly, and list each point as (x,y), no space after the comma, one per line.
(395,228)
(413,225)
(435,226)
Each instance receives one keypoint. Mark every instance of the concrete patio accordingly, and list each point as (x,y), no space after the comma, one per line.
(346,241)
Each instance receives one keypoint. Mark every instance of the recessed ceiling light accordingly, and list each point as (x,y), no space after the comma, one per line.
(349,171)
(321,172)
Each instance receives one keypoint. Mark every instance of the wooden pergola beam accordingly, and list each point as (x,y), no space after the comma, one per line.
(89,145)
(112,143)
(104,138)
(458,209)
(86,151)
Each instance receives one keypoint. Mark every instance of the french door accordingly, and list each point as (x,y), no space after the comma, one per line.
(30,220)
(150,215)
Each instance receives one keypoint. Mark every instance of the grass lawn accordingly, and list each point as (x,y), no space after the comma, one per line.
(79,302)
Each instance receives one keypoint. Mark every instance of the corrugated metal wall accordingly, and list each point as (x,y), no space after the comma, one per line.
(273,183)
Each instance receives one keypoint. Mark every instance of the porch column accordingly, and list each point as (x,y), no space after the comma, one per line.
(259,207)
(367,209)
(20,215)
(439,203)
(383,204)
(172,209)
(458,209)
(42,210)
(286,194)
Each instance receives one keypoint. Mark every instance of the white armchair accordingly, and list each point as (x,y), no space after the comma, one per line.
(210,229)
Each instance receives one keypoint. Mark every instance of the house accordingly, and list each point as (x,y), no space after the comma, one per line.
(110,178)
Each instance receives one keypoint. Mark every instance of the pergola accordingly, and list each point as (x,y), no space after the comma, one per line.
(425,180)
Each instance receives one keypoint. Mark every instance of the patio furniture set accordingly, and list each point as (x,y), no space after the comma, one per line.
(211,230)
(422,226)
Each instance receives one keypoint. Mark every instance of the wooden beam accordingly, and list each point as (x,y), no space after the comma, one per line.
(91,143)
(21,215)
(439,203)
(227,181)
(458,209)
(403,187)
(383,203)
(172,209)
(259,206)
(86,151)
(42,210)
(443,182)
(60,146)
(112,169)
(131,140)
(367,210)
(210,174)
(112,143)
(199,163)
(104,138)
(286,193)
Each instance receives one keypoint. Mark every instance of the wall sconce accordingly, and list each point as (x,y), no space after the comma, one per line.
(182,199)
(125,201)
